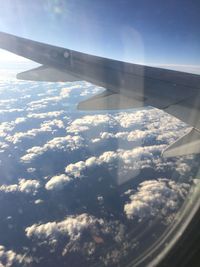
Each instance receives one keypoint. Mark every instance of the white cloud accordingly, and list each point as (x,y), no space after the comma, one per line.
(59,143)
(127,120)
(10,258)
(5,128)
(72,226)
(136,135)
(160,198)
(30,170)
(88,122)
(57,182)
(50,114)
(10,110)
(91,90)
(137,127)
(126,163)
(183,167)
(47,126)
(44,101)
(24,186)
(20,120)
(7,102)
(3,146)
(62,93)
(38,201)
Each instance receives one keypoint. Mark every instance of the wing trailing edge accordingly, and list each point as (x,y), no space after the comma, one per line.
(186,145)
(109,100)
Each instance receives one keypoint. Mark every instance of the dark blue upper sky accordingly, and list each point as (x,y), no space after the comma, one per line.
(144,31)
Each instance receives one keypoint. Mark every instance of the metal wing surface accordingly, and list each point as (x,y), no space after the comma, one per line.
(127,85)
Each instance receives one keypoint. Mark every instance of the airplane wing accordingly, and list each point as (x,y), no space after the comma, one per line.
(127,85)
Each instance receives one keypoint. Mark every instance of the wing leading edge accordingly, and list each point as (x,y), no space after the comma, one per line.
(127,85)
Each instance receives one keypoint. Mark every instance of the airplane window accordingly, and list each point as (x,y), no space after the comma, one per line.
(99,158)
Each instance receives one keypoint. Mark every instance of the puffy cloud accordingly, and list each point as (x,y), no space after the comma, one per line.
(47,126)
(96,232)
(10,258)
(6,104)
(127,163)
(38,201)
(42,103)
(136,135)
(147,126)
(10,110)
(84,89)
(73,226)
(35,106)
(20,120)
(86,122)
(50,114)
(144,124)
(57,182)
(136,127)
(63,93)
(91,90)
(5,128)
(24,186)
(30,170)
(183,167)
(82,232)
(28,186)
(160,198)
(59,143)
(127,120)
(149,118)
(7,101)
(3,146)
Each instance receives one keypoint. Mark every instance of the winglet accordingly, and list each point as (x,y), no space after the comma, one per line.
(186,145)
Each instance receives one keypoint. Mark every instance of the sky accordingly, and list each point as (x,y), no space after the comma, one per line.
(154,32)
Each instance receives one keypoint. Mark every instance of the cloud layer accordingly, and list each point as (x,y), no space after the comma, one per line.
(78,165)
(156,198)
(25,186)
(66,143)
(73,226)
(10,258)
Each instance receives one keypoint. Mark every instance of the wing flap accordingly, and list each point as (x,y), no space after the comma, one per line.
(186,145)
(108,101)
(47,74)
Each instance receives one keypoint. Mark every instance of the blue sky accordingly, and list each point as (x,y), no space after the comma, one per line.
(147,32)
